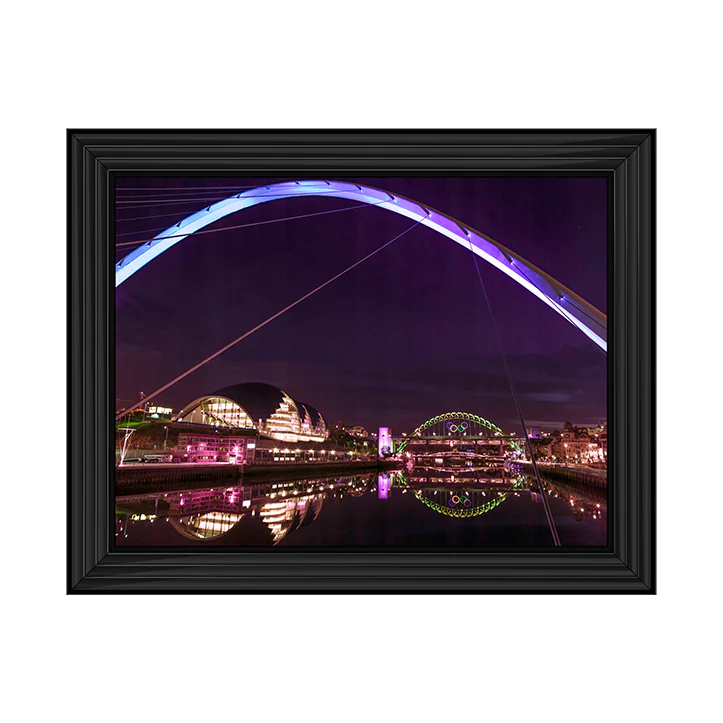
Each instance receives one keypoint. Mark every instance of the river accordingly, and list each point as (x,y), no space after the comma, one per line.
(392,509)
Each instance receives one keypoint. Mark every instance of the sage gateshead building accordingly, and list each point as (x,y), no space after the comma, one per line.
(258,407)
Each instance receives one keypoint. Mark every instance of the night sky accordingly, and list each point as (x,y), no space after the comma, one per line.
(401,338)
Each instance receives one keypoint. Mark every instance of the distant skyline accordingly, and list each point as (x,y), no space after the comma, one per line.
(401,338)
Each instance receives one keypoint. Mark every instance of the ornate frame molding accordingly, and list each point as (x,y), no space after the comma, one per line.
(625,157)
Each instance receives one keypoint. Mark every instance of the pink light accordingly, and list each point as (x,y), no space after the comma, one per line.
(384,485)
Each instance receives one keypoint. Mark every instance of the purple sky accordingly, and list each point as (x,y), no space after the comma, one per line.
(404,336)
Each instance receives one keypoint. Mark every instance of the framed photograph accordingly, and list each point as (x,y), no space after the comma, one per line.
(361,361)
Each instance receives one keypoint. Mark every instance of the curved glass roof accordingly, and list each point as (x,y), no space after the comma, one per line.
(260,400)
(262,406)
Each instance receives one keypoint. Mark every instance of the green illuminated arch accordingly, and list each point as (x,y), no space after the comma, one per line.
(451,416)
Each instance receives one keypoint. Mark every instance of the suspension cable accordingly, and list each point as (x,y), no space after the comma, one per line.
(244,225)
(545,501)
(144,218)
(145,399)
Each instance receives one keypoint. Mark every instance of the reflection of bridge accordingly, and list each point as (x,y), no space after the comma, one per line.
(456,497)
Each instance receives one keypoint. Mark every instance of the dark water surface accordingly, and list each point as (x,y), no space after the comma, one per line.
(387,510)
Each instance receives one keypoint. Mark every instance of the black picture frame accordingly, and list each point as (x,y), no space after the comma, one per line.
(625,157)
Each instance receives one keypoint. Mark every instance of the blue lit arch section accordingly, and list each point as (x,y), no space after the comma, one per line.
(591,321)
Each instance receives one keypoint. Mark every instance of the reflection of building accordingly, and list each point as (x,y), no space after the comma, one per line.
(209,514)
(584,495)
(282,516)
(258,514)
(205,514)
(206,526)
(384,485)
(258,407)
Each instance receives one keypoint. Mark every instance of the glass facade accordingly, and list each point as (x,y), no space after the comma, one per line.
(290,421)
(219,412)
(284,424)
(310,431)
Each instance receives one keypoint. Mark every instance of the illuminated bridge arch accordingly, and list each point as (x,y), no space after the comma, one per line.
(458,419)
(573,308)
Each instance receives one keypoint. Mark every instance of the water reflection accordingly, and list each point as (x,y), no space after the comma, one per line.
(270,511)
(470,507)
(462,496)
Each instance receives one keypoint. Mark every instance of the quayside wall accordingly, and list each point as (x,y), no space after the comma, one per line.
(160,477)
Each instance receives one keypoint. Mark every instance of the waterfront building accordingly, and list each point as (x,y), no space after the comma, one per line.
(156,412)
(218,446)
(386,444)
(578,445)
(209,448)
(261,408)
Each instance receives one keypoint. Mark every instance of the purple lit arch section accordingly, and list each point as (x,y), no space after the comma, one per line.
(591,321)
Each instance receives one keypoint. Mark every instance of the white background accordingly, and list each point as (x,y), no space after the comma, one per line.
(375,64)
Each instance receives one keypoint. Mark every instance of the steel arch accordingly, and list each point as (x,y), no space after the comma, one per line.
(449,416)
(591,321)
